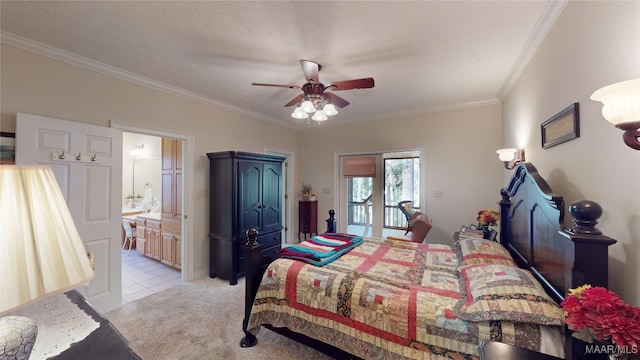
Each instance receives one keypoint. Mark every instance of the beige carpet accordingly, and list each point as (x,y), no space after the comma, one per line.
(199,320)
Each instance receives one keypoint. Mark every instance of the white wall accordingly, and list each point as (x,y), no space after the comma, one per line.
(460,161)
(593,44)
(39,85)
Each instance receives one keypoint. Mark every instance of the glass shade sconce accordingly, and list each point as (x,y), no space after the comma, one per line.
(621,107)
(511,157)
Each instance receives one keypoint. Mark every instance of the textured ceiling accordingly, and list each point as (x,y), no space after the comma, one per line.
(424,55)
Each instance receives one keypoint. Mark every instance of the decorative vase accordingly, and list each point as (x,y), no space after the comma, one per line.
(486,232)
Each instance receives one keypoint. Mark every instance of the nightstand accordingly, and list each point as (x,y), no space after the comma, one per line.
(307,218)
(493,350)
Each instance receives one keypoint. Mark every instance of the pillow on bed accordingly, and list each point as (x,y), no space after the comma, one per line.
(498,292)
(481,251)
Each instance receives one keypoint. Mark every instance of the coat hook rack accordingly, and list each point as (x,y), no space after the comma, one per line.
(80,157)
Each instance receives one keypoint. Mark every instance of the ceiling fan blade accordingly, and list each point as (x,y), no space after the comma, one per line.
(295,100)
(336,100)
(277,85)
(364,83)
(310,70)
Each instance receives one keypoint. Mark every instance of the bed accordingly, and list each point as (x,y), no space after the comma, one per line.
(393,299)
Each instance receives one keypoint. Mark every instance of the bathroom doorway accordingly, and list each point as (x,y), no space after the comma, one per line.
(151,172)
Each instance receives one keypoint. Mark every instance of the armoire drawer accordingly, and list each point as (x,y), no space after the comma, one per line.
(271,252)
(269,240)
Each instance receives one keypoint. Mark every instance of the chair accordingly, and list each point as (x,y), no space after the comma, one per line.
(406,207)
(421,224)
(129,235)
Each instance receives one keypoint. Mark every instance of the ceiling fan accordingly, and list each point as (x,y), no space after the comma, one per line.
(315,99)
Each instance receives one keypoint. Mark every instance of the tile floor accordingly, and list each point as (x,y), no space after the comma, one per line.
(142,276)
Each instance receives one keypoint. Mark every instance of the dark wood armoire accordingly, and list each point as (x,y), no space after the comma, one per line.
(245,192)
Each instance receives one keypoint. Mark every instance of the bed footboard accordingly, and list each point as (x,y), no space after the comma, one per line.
(256,265)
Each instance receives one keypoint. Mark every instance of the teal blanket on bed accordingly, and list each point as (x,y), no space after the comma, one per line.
(322,249)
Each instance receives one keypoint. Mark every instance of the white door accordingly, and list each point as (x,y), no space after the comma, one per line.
(91,185)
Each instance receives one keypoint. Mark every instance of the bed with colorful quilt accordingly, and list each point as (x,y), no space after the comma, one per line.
(368,298)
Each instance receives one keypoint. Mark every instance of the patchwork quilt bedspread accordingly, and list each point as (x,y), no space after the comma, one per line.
(384,299)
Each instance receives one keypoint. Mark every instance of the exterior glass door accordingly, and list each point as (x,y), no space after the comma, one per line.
(369,197)
(361,198)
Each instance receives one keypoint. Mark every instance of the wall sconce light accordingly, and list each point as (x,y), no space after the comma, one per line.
(137,150)
(621,107)
(509,155)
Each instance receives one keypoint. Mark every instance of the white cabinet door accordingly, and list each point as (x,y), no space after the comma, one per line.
(92,190)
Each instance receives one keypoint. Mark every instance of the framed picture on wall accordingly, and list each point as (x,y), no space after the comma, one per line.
(562,127)
(7,148)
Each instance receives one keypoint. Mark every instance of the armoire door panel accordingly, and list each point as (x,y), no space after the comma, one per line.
(249,196)
(272,195)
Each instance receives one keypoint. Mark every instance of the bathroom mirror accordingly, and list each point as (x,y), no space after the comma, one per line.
(147,173)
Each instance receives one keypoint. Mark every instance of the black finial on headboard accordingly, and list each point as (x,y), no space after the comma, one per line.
(585,215)
(332,223)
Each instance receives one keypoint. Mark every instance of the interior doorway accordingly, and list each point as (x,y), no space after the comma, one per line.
(187,272)
(152,191)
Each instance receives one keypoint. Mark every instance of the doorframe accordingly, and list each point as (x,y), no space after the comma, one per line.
(187,272)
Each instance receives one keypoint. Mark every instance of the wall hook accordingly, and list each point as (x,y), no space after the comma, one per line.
(93,158)
(61,156)
(79,157)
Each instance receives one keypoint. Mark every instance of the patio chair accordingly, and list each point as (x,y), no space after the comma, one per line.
(421,226)
(406,207)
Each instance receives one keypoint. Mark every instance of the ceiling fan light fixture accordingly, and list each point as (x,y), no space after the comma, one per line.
(314,102)
(330,110)
(308,107)
(299,114)
(319,116)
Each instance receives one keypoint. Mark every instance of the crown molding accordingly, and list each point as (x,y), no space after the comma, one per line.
(541,29)
(111,71)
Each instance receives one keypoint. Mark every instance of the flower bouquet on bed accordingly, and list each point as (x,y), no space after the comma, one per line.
(600,317)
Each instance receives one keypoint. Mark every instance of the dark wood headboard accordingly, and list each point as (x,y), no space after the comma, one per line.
(532,229)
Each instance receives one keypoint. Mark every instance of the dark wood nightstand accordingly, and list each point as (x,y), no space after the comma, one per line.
(493,350)
(307,218)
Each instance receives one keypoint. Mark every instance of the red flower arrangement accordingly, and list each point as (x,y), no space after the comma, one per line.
(598,314)
(488,217)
